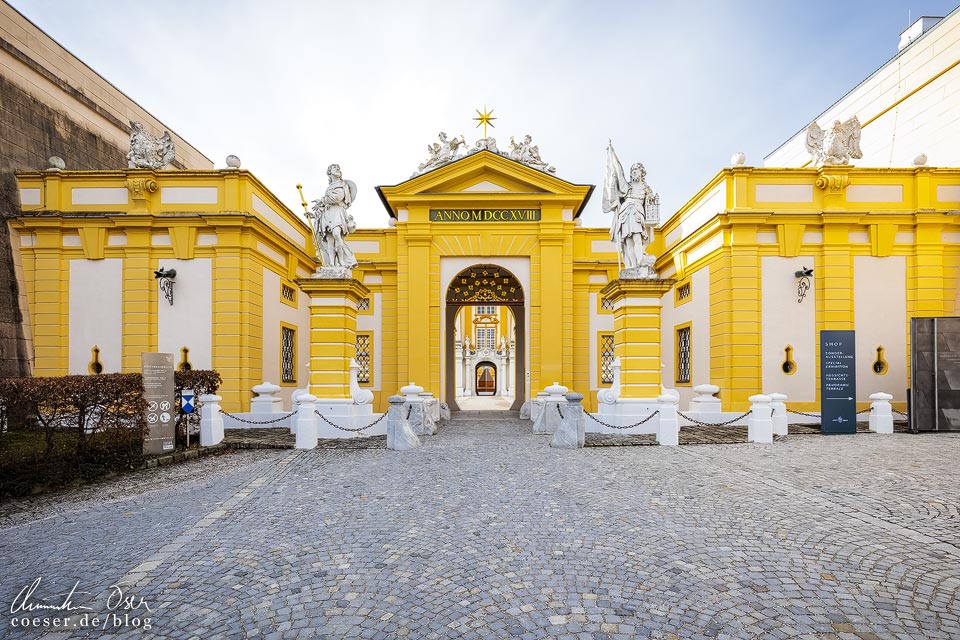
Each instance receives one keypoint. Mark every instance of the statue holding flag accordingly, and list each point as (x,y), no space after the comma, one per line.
(636,211)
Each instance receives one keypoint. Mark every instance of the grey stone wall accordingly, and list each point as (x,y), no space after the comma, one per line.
(31,132)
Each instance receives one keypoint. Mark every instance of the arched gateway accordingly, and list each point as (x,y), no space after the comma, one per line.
(487,285)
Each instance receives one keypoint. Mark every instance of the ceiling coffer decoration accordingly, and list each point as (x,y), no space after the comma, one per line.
(485,284)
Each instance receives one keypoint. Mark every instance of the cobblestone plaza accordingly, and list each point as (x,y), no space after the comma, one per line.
(486,532)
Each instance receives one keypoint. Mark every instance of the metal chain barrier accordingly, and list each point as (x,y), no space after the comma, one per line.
(801,413)
(245,421)
(901,413)
(336,426)
(713,424)
(613,426)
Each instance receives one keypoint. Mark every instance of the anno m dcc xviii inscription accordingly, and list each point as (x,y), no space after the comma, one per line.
(484,215)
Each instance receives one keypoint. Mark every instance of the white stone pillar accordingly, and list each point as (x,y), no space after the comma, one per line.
(266,400)
(548,420)
(779,405)
(506,372)
(570,433)
(400,437)
(421,421)
(705,405)
(306,422)
(466,362)
(881,413)
(760,422)
(668,426)
(211,422)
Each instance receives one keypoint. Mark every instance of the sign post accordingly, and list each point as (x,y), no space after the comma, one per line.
(838,382)
(158,391)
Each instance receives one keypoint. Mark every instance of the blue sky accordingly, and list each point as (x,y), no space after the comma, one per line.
(293,86)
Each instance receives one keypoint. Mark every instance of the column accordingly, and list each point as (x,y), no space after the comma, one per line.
(333,333)
(636,323)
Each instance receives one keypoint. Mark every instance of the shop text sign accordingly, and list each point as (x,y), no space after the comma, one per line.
(838,382)
(484,215)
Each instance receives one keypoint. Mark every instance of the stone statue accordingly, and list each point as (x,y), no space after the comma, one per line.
(332,223)
(486,144)
(442,152)
(636,211)
(835,146)
(147,152)
(529,154)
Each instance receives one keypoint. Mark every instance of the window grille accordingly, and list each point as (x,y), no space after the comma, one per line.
(363,304)
(288,354)
(606,359)
(288,293)
(683,291)
(486,338)
(606,305)
(486,310)
(363,358)
(683,355)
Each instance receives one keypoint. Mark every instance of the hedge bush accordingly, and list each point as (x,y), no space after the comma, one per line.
(54,431)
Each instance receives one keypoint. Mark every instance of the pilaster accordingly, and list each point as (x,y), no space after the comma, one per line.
(636,325)
(333,333)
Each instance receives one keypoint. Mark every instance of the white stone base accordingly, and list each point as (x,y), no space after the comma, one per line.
(344,413)
(258,418)
(625,411)
(333,273)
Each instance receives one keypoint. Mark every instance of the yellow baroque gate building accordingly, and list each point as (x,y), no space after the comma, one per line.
(484,229)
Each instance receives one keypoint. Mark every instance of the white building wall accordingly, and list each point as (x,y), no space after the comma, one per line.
(96,314)
(880,284)
(927,121)
(276,311)
(788,322)
(189,321)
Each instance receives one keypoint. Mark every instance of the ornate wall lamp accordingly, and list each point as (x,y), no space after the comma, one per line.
(803,282)
(166,276)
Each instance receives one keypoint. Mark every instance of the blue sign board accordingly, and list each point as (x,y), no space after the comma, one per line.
(838,382)
(187,400)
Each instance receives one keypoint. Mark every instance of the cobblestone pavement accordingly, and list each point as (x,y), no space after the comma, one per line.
(486,532)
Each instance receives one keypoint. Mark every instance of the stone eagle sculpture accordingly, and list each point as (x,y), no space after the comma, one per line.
(835,145)
(148,152)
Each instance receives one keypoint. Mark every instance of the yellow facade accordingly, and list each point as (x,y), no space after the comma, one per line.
(145,219)
(833,216)
(726,261)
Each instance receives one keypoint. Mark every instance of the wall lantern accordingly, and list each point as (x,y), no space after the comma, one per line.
(803,282)
(166,276)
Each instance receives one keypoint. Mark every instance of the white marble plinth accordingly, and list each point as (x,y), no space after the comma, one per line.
(333,273)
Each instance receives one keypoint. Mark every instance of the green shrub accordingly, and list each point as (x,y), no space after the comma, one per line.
(54,431)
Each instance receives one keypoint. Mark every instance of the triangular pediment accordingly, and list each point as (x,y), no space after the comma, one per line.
(485,172)
(484,175)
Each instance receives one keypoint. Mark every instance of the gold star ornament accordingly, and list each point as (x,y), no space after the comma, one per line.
(484,118)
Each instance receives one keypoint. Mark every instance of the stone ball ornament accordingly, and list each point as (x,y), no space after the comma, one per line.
(233,162)
(920,160)
(57,163)
(738,159)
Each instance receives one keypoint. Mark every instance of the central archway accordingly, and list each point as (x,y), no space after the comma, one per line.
(486,284)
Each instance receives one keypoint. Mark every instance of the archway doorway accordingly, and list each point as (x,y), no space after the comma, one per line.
(485,378)
(494,297)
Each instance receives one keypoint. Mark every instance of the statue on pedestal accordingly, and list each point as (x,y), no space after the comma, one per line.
(636,211)
(332,224)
